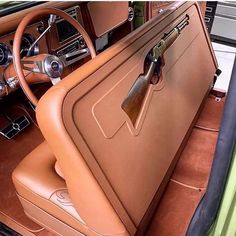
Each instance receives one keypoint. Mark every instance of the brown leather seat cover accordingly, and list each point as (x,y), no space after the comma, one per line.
(39,185)
(114,171)
(36,181)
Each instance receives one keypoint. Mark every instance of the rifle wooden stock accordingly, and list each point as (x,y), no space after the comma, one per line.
(134,101)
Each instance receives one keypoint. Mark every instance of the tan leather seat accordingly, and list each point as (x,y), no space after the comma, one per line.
(44,195)
(40,187)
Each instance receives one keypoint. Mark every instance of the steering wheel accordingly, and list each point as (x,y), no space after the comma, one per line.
(50,66)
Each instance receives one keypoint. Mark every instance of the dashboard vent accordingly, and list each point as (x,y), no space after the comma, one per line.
(71,11)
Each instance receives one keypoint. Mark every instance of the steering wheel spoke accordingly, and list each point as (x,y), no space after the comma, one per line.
(32,66)
(55,80)
(45,67)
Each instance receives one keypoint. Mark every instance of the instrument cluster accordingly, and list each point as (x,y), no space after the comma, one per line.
(26,43)
(5,54)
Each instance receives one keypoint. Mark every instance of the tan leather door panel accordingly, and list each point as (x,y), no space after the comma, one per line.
(131,162)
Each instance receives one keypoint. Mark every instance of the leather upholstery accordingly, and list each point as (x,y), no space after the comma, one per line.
(115,173)
(39,185)
(36,180)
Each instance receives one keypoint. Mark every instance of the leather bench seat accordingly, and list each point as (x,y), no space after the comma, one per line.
(44,195)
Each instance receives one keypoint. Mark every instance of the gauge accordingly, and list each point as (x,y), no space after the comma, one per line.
(26,43)
(5,55)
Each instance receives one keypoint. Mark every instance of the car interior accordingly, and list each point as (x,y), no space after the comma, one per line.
(109,117)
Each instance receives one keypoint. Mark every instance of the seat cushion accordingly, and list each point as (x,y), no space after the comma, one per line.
(38,185)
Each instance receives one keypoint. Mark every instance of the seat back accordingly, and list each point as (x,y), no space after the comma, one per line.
(116,171)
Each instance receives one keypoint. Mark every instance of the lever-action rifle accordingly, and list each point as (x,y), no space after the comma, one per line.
(134,101)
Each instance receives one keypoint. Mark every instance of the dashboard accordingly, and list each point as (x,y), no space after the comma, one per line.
(62,40)
(10,84)
(6,43)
